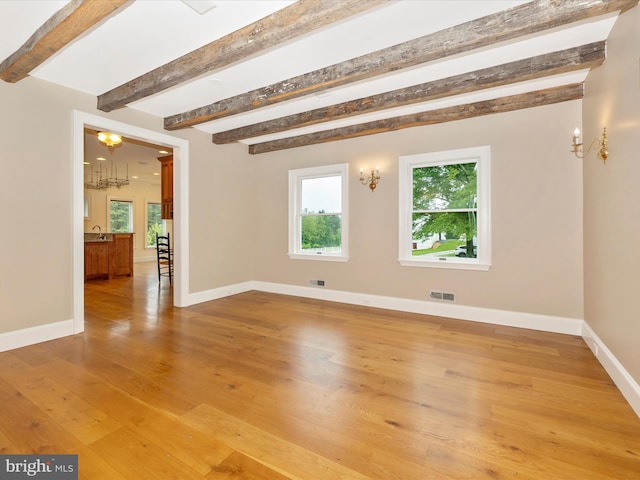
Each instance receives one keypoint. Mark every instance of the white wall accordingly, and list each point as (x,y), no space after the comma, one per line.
(612,196)
(238,210)
(536,203)
(36,155)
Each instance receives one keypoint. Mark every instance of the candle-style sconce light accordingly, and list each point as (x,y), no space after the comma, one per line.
(372,180)
(602,152)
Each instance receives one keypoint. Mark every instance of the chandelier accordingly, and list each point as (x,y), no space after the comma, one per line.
(111,140)
(100,180)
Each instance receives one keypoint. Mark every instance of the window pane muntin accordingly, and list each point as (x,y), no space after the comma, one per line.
(154,223)
(321,194)
(448,196)
(120,216)
(321,233)
(459,226)
(320,197)
(407,246)
(296,176)
(445,187)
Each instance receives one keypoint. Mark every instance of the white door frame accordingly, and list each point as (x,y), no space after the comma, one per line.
(180,199)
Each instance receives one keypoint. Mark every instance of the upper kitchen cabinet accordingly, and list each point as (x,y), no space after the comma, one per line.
(166,186)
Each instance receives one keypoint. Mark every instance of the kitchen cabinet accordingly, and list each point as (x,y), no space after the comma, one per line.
(108,257)
(96,259)
(166,187)
(121,254)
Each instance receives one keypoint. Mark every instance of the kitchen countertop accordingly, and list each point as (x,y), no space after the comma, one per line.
(95,237)
(106,237)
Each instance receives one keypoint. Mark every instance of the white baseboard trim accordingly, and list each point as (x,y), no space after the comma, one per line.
(146,259)
(32,335)
(216,293)
(571,326)
(547,323)
(623,380)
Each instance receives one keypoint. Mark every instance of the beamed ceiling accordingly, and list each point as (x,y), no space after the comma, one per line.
(281,74)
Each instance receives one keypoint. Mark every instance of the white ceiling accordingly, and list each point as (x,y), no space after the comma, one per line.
(136,159)
(149,33)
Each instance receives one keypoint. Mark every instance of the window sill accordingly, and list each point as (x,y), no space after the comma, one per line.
(450,264)
(323,257)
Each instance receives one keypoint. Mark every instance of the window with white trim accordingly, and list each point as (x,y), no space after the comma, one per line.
(445,209)
(154,223)
(120,216)
(318,213)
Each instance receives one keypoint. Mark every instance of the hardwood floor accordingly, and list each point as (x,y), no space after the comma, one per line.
(263,386)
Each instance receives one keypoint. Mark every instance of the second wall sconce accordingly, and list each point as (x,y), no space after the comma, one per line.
(372,180)
(602,152)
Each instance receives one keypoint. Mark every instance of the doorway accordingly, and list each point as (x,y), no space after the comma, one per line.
(180,147)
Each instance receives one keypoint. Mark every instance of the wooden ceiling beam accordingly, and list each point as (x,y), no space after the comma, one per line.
(526,19)
(71,21)
(286,24)
(459,112)
(572,59)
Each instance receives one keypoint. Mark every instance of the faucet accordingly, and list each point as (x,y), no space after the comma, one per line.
(101,235)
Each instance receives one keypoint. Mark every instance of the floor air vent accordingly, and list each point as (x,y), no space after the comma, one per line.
(445,296)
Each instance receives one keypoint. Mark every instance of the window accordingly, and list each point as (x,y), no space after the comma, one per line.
(120,216)
(318,213)
(154,223)
(87,205)
(445,209)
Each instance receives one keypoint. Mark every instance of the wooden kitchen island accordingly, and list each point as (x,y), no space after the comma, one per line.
(108,255)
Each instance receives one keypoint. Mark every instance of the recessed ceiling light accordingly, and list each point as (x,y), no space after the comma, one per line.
(87,163)
(164,152)
(135,177)
(102,159)
(156,173)
(200,6)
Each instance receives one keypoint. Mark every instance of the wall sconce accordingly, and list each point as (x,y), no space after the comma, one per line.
(602,152)
(372,180)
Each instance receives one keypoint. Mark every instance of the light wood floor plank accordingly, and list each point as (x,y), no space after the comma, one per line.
(260,386)
(239,466)
(278,454)
(77,416)
(135,456)
(164,429)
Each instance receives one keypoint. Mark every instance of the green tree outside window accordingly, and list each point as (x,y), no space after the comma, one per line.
(154,223)
(321,231)
(121,216)
(445,202)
